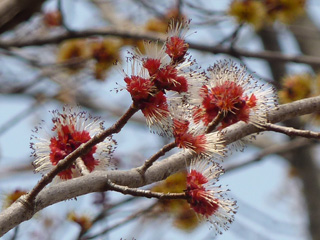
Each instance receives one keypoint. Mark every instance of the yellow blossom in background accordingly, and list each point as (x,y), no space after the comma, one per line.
(184,217)
(75,51)
(285,11)
(12,197)
(157,25)
(105,52)
(317,79)
(84,221)
(248,11)
(296,87)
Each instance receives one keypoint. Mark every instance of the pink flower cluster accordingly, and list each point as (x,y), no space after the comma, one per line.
(183,103)
(177,101)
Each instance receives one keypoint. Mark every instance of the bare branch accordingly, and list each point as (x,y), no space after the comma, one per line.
(291,131)
(215,122)
(96,181)
(233,51)
(143,193)
(156,156)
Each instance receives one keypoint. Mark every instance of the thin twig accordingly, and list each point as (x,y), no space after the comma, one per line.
(103,214)
(15,233)
(81,150)
(148,163)
(81,166)
(143,193)
(150,8)
(291,131)
(266,55)
(215,122)
(232,37)
(63,20)
(10,53)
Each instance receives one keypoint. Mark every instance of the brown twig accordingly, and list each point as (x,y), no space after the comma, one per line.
(81,166)
(148,163)
(291,131)
(143,193)
(81,150)
(215,122)
(233,51)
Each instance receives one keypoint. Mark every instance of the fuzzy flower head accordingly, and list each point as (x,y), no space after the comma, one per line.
(11,197)
(248,11)
(73,50)
(232,92)
(296,87)
(285,11)
(176,47)
(83,221)
(191,137)
(207,199)
(105,52)
(152,80)
(164,74)
(71,128)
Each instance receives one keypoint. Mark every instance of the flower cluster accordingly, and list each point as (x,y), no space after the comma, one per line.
(158,75)
(177,101)
(100,54)
(230,91)
(299,86)
(207,199)
(296,87)
(191,106)
(71,128)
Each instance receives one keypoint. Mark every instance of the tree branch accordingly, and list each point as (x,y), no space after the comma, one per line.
(233,51)
(291,131)
(96,181)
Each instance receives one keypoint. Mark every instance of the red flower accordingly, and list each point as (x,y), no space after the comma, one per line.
(70,130)
(230,90)
(139,88)
(192,137)
(205,198)
(176,47)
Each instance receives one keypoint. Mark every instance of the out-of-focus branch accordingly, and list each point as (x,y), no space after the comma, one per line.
(291,131)
(124,221)
(274,149)
(233,51)
(13,12)
(96,181)
(143,193)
